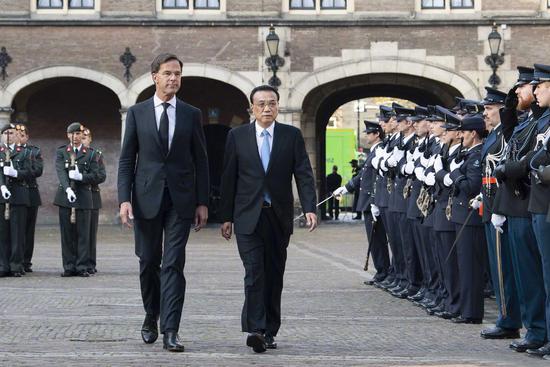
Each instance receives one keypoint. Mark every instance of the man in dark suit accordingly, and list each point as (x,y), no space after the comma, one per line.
(334,180)
(163,183)
(256,195)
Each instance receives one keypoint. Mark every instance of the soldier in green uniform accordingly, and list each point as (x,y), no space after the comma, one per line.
(16,167)
(37,167)
(77,169)
(96,200)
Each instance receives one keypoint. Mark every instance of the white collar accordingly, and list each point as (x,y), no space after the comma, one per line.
(158,102)
(260,129)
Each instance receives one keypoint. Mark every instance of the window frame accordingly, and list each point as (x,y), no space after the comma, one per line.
(318,10)
(335,7)
(205,7)
(190,10)
(463,7)
(49,7)
(290,7)
(433,7)
(65,9)
(174,7)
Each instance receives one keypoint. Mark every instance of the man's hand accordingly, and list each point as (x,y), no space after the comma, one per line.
(340,191)
(71,196)
(75,174)
(311,221)
(476,202)
(126,214)
(227,230)
(455,165)
(10,171)
(6,194)
(375,212)
(438,164)
(497,221)
(201,216)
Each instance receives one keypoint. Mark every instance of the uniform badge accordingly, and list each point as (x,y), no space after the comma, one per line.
(476,163)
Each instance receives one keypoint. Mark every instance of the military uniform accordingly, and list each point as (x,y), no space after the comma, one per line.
(37,167)
(75,237)
(96,205)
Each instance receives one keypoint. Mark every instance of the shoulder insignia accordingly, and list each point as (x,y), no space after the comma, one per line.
(476,163)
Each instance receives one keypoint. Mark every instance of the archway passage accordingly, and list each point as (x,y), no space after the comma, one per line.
(321,102)
(223,106)
(47,107)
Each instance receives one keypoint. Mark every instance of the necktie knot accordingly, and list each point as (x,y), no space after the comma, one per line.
(165,105)
(264,133)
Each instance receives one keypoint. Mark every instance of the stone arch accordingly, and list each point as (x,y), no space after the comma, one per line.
(104,79)
(382,65)
(236,79)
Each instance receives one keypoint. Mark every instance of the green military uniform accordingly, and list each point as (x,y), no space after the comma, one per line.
(37,167)
(75,237)
(96,205)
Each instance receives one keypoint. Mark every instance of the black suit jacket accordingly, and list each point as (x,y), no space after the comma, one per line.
(144,171)
(244,180)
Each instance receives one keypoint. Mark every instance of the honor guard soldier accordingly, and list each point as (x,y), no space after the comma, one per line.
(96,200)
(539,199)
(364,186)
(465,179)
(76,169)
(16,166)
(521,266)
(37,167)
(5,195)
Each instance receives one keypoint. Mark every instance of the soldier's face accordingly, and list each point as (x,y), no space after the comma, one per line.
(86,140)
(23,138)
(525,96)
(491,115)
(542,92)
(469,138)
(10,136)
(421,128)
(75,138)
(437,128)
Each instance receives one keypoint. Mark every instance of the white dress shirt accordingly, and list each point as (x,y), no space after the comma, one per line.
(171,111)
(260,138)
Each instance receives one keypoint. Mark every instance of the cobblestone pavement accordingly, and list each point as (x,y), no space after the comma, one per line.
(329,317)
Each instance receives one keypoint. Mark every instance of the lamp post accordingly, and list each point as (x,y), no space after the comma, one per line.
(495,59)
(274,61)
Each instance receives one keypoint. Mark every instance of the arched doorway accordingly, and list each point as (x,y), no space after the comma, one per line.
(321,102)
(47,106)
(223,106)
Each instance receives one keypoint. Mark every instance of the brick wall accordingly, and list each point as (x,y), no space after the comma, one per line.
(384,5)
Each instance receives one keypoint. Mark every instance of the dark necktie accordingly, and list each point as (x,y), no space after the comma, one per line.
(163,128)
(76,151)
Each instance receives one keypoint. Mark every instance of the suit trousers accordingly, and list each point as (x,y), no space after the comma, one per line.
(541,229)
(412,261)
(4,241)
(162,287)
(471,253)
(378,245)
(513,318)
(448,256)
(383,218)
(94,222)
(32,212)
(18,219)
(75,239)
(263,254)
(396,245)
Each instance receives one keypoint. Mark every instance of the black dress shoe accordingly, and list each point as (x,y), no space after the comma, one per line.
(522,345)
(446,315)
(83,274)
(434,310)
(257,342)
(270,342)
(401,294)
(172,343)
(540,352)
(466,320)
(68,273)
(16,274)
(499,333)
(149,330)
(418,296)
(4,274)
(28,269)
(369,282)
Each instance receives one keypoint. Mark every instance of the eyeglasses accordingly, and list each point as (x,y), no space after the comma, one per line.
(270,104)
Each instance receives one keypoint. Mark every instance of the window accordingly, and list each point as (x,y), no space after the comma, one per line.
(433,4)
(175,4)
(462,4)
(302,4)
(81,4)
(49,4)
(335,4)
(207,4)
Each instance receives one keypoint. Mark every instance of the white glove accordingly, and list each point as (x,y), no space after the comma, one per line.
(391,161)
(376,161)
(455,165)
(75,174)
(6,194)
(476,203)
(71,196)
(398,154)
(417,154)
(438,163)
(447,181)
(340,191)
(374,211)
(419,173)
(424,161)
(498,221)
(430,179)
(409,167)
(383,164)
(10,171)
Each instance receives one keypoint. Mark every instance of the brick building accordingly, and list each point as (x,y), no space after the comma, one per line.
(66,62)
